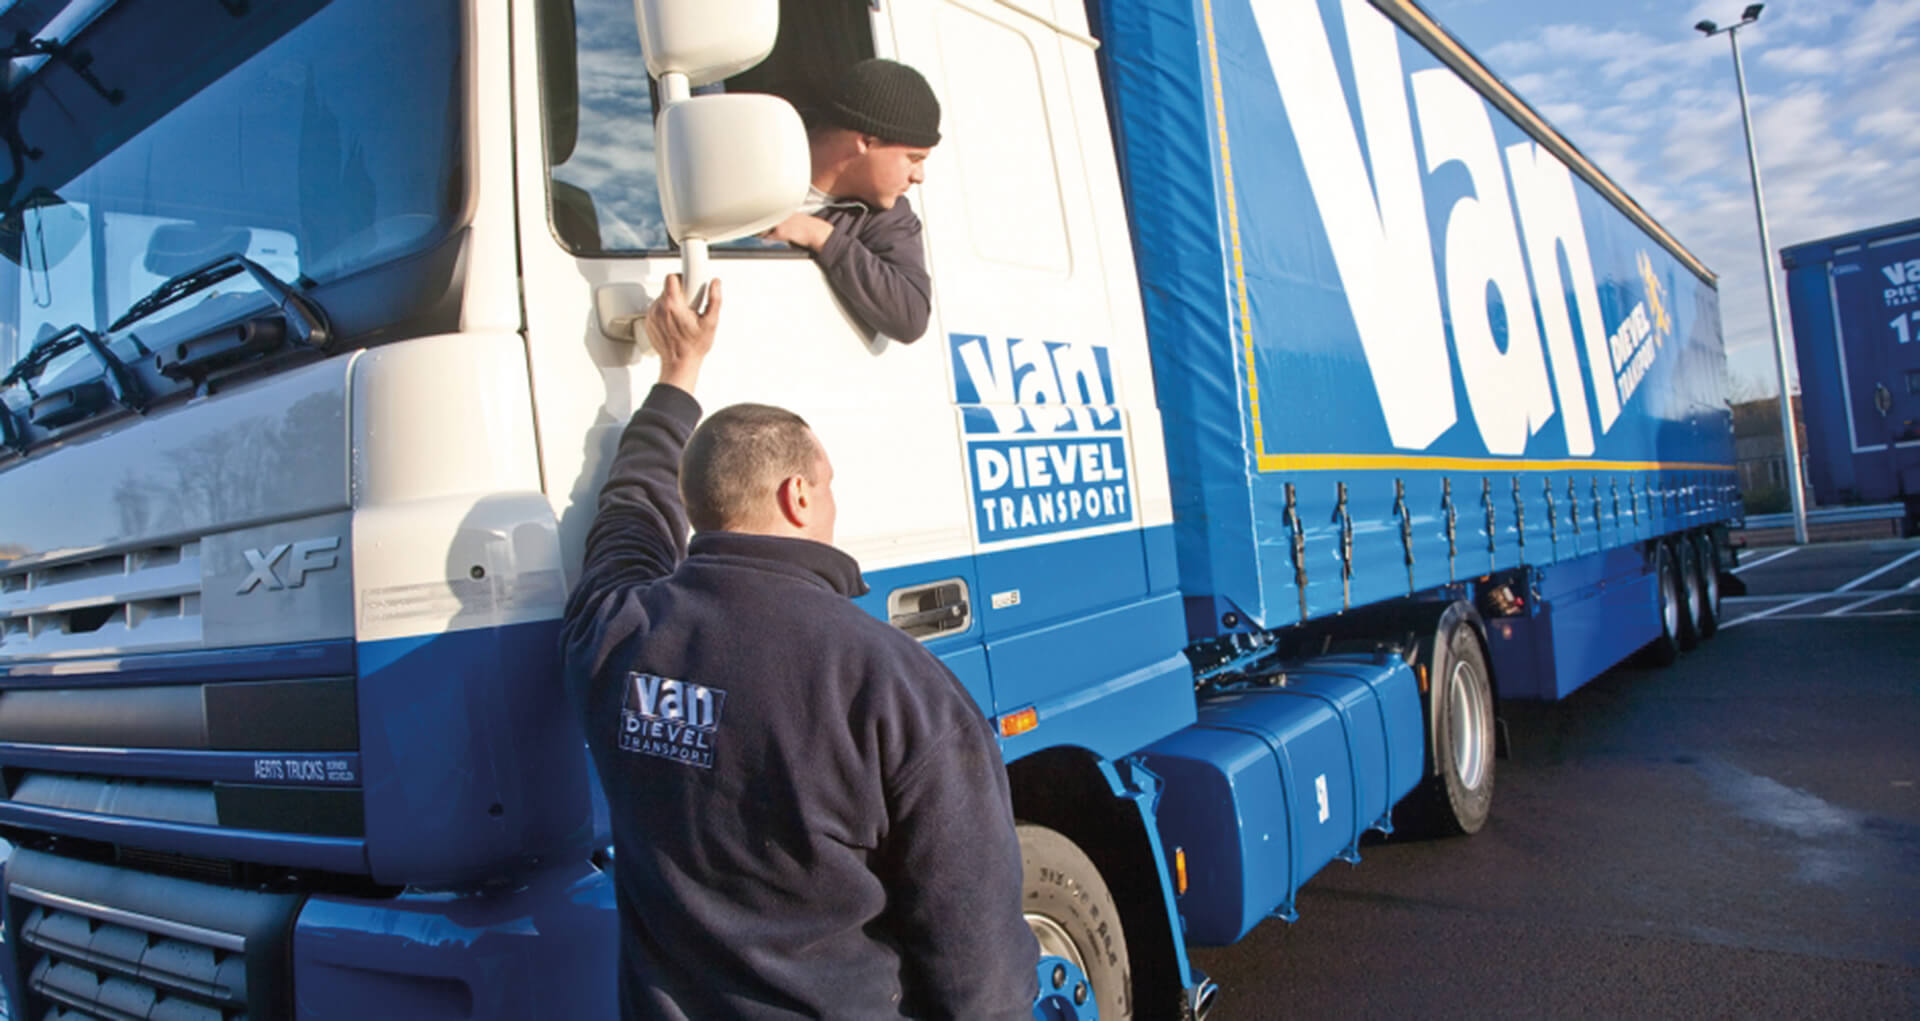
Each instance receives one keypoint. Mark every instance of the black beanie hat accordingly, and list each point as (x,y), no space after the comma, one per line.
(886,99)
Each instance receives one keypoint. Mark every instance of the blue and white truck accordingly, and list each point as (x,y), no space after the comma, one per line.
(1855,300)
(1293,391)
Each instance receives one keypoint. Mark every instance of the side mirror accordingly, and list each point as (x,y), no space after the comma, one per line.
(705,40)
(729,166)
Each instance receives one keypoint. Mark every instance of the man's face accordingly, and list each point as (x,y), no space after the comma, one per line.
(883,172)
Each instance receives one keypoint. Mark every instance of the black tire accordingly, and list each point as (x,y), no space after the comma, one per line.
(1707,557)
(1693,595)
(1457,796)
(1074,916)
(1665,649)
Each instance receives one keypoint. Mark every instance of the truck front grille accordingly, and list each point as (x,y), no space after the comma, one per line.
(103,943)
(87,967)
(143,600)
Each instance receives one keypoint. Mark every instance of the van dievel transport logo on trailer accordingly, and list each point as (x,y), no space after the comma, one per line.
(1046,448)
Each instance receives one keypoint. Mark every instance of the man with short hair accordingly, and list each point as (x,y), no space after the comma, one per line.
(870,140)
(810,814)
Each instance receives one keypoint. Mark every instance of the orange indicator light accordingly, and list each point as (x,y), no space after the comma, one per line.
(1015,724)
(1180,870)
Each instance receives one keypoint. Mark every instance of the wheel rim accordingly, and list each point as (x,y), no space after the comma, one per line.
(1694,595)
(1469,726)
(1066,993)
(1710,579)
(1054,941)
(1669,598)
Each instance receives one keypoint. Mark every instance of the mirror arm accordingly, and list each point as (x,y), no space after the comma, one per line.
(674,87)
(694,271)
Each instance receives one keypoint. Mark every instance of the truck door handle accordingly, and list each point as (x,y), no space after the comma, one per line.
(931,610)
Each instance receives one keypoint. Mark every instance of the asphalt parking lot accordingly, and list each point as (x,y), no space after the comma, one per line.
(1735,835)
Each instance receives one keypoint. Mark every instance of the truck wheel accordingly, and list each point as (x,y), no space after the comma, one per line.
(1707,558)
(1663,650)
(1073,916)
(1457,795)
(1693,594)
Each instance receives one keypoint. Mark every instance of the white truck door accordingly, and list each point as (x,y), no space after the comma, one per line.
(1042,333)
(592,239)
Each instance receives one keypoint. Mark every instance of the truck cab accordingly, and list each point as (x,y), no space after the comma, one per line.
(319,337)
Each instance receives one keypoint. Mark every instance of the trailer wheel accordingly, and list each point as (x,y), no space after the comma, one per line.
(1693,593)
(1457,796)
(1665,649)
(1707,558)
(1073,916)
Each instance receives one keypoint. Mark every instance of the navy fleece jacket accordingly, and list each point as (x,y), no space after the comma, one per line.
(810,815)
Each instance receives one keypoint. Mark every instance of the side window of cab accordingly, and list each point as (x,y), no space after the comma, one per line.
(599,105)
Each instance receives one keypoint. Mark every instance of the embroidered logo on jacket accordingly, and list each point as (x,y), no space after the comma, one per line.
(670,719)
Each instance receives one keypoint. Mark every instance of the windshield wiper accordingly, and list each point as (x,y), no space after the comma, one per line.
(115,383)
(305,322)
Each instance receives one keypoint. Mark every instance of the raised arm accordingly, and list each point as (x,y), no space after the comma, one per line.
(639,530)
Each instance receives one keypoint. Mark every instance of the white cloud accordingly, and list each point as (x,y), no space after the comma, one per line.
(1801,59)
(1894,123)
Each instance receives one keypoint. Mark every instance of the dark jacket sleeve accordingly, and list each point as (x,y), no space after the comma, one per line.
(953,864)
(877,264)
(639,531)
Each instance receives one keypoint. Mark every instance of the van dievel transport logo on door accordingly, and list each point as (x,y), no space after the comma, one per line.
(1046,446)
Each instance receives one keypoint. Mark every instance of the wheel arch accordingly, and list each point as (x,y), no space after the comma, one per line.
(1089,801)
(1448,617)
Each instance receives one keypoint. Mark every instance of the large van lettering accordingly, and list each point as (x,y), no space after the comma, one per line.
(1379,233)
(1376,224)
(1508,389)
(1550,216)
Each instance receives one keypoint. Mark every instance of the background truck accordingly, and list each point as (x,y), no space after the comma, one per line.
(1855,300)
(1292,390)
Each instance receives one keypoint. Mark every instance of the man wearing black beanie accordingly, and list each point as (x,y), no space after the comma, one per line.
(870,136)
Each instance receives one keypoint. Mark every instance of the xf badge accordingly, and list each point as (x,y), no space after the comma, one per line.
(265,570)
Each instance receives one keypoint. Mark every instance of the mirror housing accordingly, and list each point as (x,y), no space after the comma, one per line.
(730,165)
(41,231)
(705,40)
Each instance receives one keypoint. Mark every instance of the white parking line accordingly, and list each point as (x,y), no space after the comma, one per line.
(1853,616)
(1876,597)
(1848,587)
(1770,558)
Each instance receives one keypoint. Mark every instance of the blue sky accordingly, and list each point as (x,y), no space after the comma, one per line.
(1835,92)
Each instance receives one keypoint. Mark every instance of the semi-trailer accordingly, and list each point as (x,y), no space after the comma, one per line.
(1855,301)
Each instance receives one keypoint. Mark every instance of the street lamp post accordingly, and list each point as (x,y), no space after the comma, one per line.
(1787,429)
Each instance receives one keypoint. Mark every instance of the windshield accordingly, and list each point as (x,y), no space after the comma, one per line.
(317,139)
